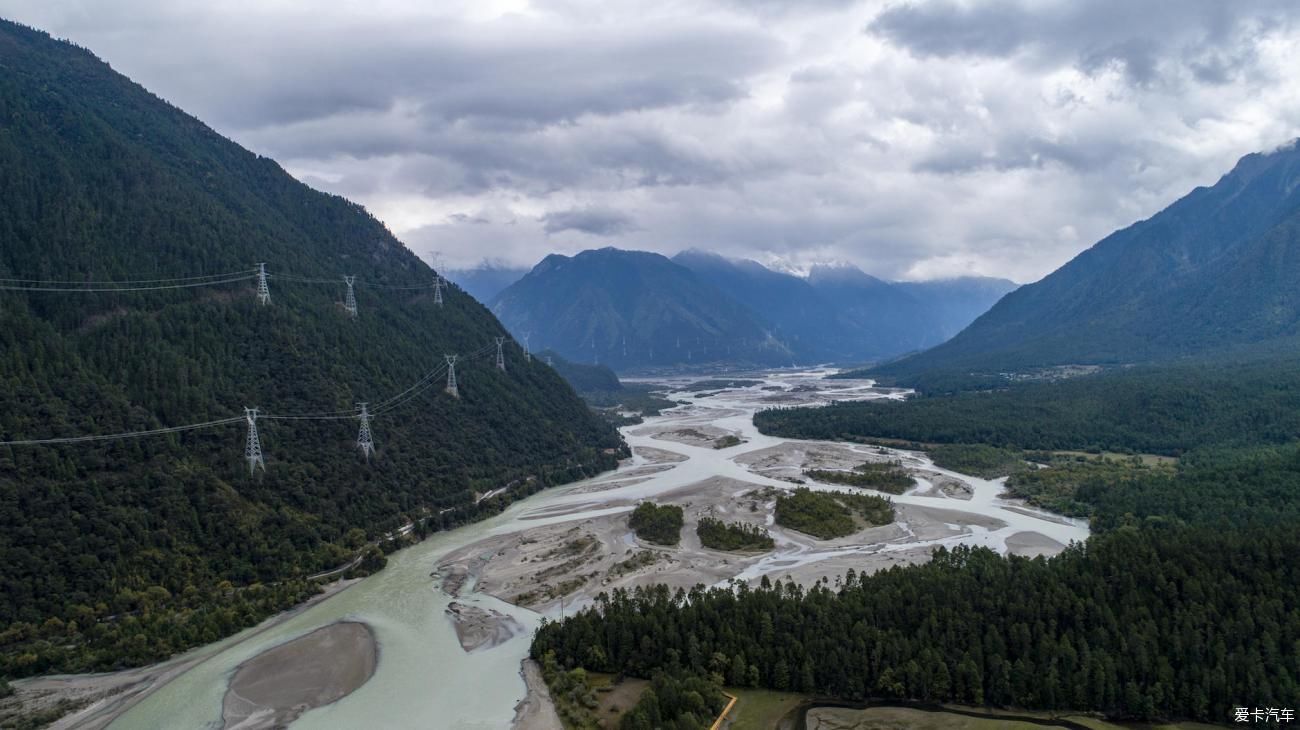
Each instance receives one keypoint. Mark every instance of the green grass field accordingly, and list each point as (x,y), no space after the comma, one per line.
(760,709)
(764,710)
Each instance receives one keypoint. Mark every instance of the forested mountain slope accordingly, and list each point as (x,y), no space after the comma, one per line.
(631,309)
(122,551)
(1212,273)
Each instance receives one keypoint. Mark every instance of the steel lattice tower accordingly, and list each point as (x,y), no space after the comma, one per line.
(253,446)
(452,390)
(364,440)
(350,303)
(263,291)
(437,289)
(501,357)
(528,354)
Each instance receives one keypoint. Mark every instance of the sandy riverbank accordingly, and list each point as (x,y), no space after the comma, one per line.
(101,698)
(571,562)
(276,687)
(481,628)
(544,565)
(536,711)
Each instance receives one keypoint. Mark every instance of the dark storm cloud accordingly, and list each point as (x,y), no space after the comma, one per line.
(594,222)
(1137,37)
(976,136)
(449,75)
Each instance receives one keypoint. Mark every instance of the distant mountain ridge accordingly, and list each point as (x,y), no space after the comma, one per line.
(1213,272)
(840,313)
(729,311)
(632,308)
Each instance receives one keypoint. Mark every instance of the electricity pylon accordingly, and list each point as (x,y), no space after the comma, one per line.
(452,390)
(501,357)
(350,303)
(364,440)
(263,291)
(253,445)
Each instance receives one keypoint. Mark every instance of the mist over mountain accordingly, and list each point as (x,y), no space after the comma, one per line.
(839,313)
(486,281)
(1215,272)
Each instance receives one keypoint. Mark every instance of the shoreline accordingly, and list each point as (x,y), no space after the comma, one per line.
(109,695)
(536,711)
(114,693)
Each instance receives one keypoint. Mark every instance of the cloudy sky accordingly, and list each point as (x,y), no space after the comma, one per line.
(917,140)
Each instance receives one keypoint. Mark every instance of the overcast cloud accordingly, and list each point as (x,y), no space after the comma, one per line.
(917,140)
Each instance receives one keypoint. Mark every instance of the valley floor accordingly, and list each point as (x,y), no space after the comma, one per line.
(451,646)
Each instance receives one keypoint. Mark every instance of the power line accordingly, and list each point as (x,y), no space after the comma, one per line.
(190,285)
(126,282)
(401,398)
(123,435)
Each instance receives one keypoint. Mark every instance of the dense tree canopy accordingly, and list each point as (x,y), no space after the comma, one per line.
(660,524)
(1158,410)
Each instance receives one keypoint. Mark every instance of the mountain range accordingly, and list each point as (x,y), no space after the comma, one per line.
(1214,273)
(128,303)
(632,307)
(636,309)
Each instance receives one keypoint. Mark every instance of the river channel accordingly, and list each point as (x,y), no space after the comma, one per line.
(425,679)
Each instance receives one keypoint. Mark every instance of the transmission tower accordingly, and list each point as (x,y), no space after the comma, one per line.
(263,291)
(437,289)
(528,354)
(364,441)
(452,390)
(501,358)
(253,446)
(549,361)
(350,303)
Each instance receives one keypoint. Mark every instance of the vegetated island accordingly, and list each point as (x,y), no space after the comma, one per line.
(828,515)
(882,476)
(658,524)
(733,536)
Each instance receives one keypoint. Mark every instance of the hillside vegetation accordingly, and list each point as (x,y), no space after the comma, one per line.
(1214,272)
(125,551)
(1157,410)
